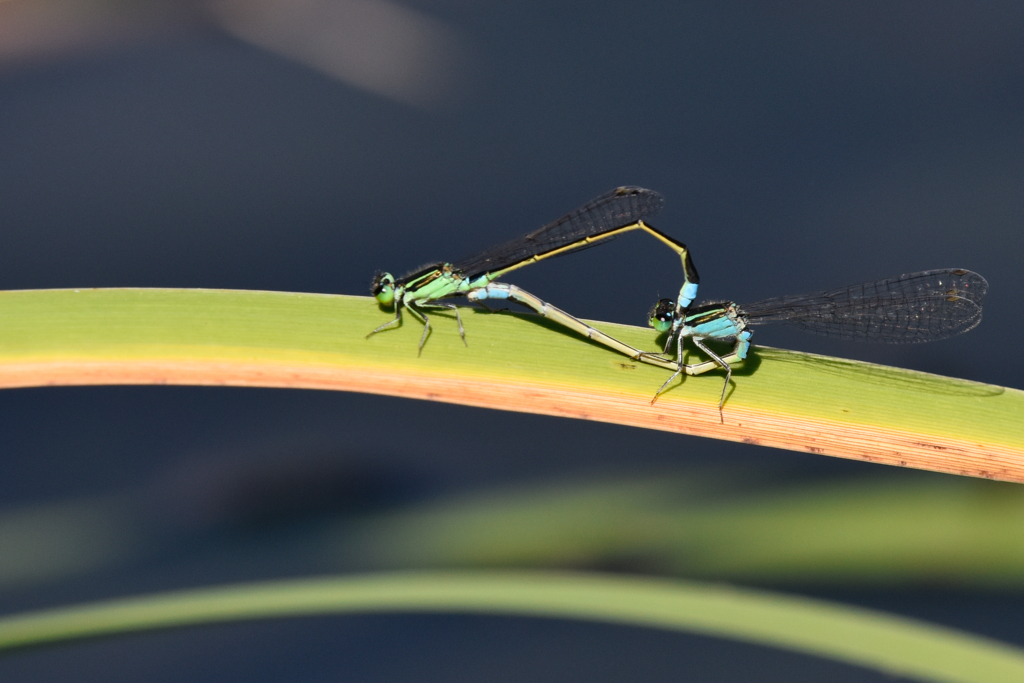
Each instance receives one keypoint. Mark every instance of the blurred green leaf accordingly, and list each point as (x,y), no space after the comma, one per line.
(871,639)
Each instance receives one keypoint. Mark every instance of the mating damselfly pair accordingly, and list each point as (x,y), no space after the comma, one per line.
(918,307)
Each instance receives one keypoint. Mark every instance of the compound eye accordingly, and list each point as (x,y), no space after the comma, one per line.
(662,315)
(383,288)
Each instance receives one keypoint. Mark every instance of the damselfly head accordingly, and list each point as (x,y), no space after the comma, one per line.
(662,315)
(383,288)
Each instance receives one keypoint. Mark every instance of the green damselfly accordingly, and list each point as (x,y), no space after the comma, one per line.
(613,213)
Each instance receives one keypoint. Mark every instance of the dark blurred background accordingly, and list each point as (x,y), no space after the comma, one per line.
(301,145)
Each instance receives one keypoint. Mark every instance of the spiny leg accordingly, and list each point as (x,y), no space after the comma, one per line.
(728,373)
(676,336)
(414,309)
(453,307)
(673,335)
(397,320)
(738,354)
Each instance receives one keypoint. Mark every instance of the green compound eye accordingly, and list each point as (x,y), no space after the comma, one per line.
(383,288)
(662,315)
(661,325)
